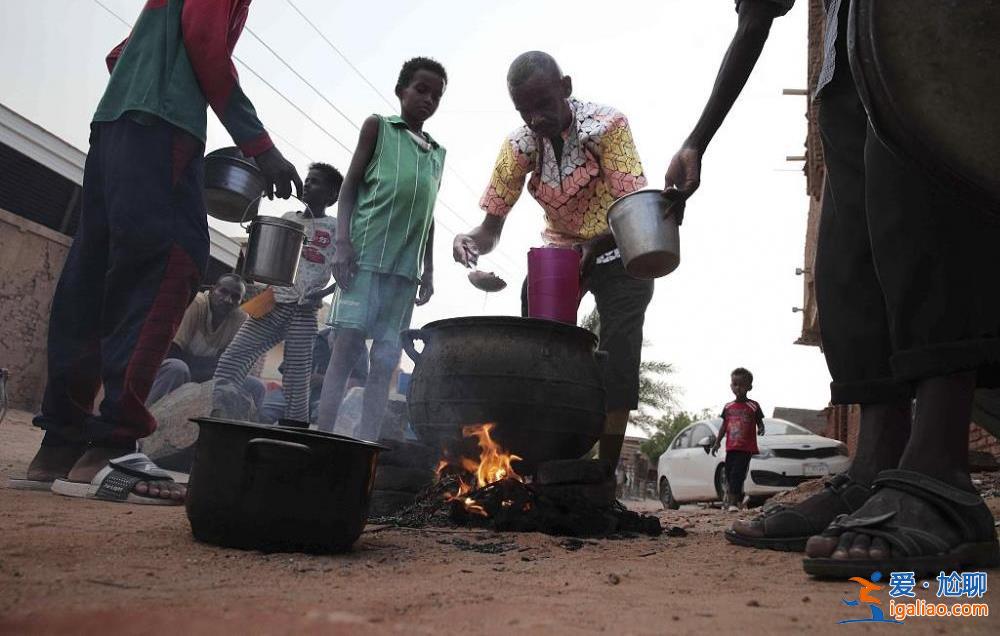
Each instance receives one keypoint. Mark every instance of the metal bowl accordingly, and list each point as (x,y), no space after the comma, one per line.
(233,185)
(647,235)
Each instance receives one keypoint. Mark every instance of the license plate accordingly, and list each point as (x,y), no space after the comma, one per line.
(815,469)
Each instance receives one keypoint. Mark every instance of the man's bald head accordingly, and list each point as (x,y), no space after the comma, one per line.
(540,93)
(528,64)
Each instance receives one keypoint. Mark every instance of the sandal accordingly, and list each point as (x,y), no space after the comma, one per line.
(966,538)
(788,528)
(115,482)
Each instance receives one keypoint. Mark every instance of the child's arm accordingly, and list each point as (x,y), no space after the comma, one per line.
(722,433)
(427,278)
(345,258)
(760,418)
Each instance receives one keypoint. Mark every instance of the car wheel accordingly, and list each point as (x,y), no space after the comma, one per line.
(720,482)
(667,495)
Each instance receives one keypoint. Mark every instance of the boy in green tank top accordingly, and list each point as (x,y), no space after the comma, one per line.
(383,263)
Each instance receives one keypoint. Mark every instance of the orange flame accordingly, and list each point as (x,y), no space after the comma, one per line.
(493,465)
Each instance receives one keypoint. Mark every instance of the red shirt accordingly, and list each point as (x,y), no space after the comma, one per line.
(740,421)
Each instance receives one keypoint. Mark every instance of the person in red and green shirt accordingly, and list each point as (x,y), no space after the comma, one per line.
(142,244)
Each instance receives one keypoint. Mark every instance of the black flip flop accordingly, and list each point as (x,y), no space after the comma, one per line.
(914,549)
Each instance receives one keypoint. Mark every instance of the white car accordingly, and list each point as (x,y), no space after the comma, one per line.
(789,455)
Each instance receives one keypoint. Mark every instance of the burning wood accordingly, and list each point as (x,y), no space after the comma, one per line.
(493,466)
(488,492)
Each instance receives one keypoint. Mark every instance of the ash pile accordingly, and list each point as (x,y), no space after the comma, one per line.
(565,497)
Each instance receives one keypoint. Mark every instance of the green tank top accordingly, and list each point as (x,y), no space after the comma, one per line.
(395,206)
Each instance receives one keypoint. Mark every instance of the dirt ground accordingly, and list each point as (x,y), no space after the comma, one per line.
(72,566)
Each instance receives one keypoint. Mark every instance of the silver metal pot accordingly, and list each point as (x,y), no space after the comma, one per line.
(273,250)
(233,185)
(647,235)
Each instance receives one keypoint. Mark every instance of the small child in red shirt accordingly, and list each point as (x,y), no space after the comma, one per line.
(742,422)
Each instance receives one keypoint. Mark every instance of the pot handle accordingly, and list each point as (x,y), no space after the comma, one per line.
(409,336)
(276,450)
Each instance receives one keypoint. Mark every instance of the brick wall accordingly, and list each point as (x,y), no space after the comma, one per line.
(843,423)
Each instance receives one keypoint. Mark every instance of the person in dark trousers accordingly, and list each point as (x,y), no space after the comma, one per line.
(209,325)
(577,158)
(742,422)
(142,244)
(901,320)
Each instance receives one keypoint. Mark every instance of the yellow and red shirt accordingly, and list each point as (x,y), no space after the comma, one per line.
(599,164)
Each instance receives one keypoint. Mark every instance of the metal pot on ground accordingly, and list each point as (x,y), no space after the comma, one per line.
(273,488)
(539,381)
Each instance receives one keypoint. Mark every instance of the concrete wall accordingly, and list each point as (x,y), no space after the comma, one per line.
(31,258)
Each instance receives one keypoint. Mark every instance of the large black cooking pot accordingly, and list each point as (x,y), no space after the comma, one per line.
(539,381)
(278,489)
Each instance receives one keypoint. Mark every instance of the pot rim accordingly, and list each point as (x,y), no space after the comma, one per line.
(616,209)
(513,321)
(290,430)
(279,222)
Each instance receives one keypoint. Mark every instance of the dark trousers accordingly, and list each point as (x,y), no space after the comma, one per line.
(737,465)
(134,266)
(621,304)
(903,271)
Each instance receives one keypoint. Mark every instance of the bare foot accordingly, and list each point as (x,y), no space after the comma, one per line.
(97,458)
(53,462)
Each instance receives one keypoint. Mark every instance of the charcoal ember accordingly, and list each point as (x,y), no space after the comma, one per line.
(402,479)
(510,505)
(574,471)
(599,494)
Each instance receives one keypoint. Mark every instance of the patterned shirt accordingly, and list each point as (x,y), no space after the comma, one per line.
(599,165)
(741,419)
(833,18)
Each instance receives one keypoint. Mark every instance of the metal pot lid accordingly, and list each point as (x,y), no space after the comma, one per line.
(291,431)
(274,220)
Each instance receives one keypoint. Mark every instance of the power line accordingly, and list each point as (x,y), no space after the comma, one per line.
(322,96)
(365,79)
(315,123)
(341,54)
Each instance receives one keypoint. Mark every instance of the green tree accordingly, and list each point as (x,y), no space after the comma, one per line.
(666,428)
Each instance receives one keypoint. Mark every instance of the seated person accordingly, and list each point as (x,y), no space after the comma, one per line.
(272,408)
(210,323)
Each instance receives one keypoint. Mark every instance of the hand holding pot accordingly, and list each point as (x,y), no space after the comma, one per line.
(683,174)
(279,173)
(345,263)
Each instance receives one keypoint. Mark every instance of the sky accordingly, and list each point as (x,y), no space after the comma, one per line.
(729,303)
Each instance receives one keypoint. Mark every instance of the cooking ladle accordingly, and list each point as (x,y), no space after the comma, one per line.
(486,281)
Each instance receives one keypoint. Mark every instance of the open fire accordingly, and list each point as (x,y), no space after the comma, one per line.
(493,466)
(565,497)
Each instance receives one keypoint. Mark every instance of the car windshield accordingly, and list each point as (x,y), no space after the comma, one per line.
(783,428)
